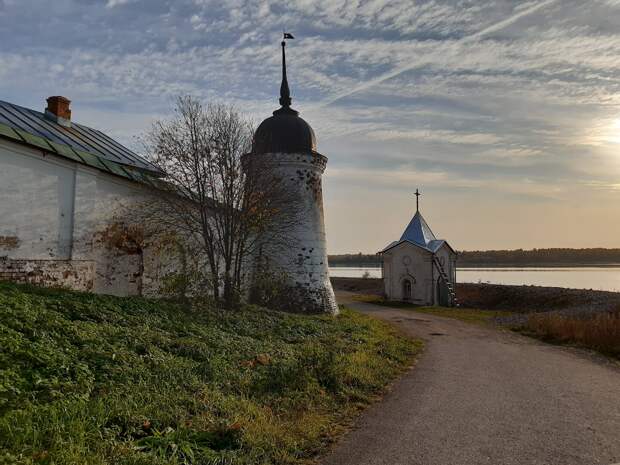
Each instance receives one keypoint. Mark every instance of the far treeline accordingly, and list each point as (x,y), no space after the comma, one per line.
(518,257)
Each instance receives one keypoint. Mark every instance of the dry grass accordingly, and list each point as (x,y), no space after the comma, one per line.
(600,332)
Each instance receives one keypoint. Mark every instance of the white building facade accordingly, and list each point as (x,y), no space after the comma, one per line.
(64,191)
(419,268)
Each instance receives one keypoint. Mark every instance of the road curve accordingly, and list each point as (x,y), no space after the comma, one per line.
(482,396)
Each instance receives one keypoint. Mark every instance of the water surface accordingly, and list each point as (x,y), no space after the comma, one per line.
(600,278)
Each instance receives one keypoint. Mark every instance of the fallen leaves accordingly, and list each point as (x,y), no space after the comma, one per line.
(260,359)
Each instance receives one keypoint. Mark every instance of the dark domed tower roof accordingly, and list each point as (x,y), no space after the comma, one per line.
(285,131)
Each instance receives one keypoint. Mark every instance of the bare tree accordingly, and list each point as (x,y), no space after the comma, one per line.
(215,192)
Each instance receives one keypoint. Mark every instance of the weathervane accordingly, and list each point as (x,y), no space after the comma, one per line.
(285,93)
(417,200)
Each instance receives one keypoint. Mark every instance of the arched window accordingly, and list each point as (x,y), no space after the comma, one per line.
(406,289)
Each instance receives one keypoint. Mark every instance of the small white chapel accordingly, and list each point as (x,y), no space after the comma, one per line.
(419,268)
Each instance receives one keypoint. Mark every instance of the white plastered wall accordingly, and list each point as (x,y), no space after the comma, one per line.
(52,214)
(36,204)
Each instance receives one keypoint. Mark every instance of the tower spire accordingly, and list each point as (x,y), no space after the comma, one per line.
(285,93)
(417,200)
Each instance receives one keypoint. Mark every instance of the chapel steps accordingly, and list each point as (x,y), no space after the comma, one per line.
(449,284)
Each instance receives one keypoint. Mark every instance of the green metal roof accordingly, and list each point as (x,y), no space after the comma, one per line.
(77,143)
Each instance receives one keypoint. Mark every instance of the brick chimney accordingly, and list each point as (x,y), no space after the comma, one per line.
(58,110)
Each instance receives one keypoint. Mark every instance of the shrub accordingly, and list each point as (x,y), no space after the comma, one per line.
(269,289)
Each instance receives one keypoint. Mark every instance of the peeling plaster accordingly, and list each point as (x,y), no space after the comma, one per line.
(9,242)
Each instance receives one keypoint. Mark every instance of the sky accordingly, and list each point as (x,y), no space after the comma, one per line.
(505,114)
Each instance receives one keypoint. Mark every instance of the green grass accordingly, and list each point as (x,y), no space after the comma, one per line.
(469,315)
(99,380)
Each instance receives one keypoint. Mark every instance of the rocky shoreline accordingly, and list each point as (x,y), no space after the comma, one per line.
(517,299)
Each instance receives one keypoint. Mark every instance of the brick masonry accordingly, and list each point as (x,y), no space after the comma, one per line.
(73,274)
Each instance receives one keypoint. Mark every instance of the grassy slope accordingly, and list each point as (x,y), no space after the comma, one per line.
(95,379)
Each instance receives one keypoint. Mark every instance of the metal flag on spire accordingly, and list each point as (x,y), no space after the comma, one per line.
(285,93)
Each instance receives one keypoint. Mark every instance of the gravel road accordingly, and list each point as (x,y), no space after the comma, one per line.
(484,396)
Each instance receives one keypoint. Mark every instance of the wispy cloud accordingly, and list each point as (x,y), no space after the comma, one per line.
(113,3)
(512,101)
(400,70)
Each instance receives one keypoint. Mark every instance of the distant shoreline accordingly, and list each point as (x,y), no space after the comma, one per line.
(519,258)
(537,265)
(495,265)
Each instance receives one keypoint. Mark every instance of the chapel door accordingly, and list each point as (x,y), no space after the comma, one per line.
(406,289)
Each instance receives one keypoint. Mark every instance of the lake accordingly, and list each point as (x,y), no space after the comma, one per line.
(600,278)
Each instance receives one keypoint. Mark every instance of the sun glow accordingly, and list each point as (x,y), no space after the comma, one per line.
(606,133)
(612,132)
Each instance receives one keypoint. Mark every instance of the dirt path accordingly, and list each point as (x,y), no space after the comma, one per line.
(483,396)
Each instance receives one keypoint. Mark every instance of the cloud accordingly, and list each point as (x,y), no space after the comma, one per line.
(452,137)
(489,96)
(399,70)
(114,3)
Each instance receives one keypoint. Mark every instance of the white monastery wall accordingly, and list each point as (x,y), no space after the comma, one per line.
(53,220)
(102,201)
(36,205)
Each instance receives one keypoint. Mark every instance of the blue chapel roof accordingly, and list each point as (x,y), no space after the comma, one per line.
(419,233)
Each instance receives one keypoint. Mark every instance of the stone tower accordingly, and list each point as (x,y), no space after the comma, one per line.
(286,145)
